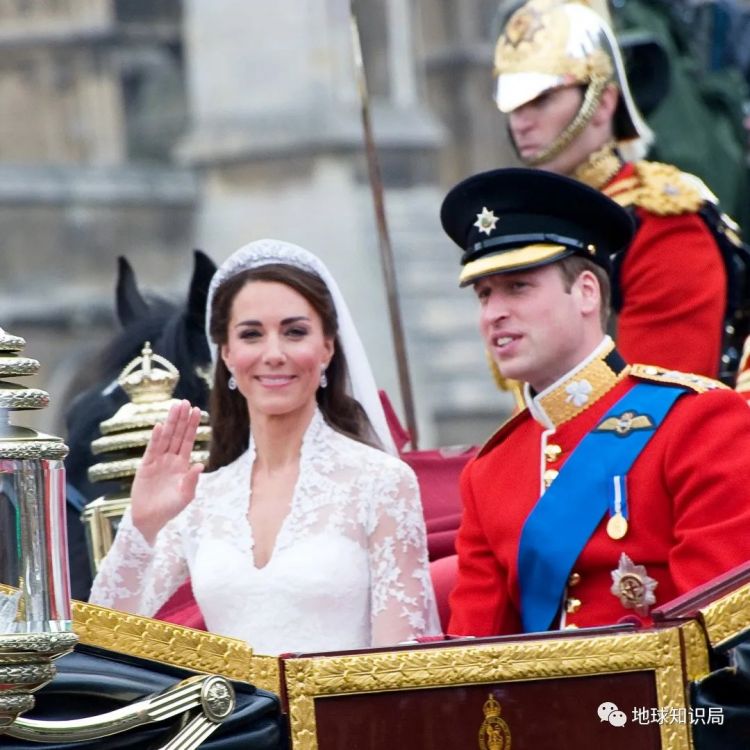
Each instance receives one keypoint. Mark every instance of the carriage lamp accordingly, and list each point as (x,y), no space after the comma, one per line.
(149,380)
(33,554)
(35,611)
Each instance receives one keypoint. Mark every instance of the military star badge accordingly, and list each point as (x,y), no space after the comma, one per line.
(633,587)
(486,221)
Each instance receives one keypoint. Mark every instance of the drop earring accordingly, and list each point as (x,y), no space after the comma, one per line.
(323,377)
(232,383)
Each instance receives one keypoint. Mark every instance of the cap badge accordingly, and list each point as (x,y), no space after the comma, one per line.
(626,423)
(486,221)
(578,392)
(632,586)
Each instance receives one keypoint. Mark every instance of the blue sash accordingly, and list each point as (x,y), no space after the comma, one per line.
(567,514)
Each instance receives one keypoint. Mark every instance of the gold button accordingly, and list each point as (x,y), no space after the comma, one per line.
(571,626)
(572,605)
(575,579)
(549,476)
(552,452)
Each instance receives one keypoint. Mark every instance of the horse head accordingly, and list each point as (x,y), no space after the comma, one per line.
(176,332)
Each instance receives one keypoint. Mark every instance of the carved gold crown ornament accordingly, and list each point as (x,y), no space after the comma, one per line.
(149,380)
(35,618)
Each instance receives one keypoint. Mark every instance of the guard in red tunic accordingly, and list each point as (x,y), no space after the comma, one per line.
(677,289)
(620,486)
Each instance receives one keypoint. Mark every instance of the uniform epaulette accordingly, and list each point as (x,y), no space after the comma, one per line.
(698,383)
(661,189)
(502,432)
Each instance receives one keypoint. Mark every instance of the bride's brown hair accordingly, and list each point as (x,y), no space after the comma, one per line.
(230,424)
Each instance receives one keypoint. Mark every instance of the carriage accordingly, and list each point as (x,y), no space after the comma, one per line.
(124,681)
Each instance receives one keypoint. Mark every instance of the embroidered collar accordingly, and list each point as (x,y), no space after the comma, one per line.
(579,388)
(600,166)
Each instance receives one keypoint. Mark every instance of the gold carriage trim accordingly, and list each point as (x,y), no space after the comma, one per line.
(176,645)
(308,679)
(166,643)
(727,620)
(695,649)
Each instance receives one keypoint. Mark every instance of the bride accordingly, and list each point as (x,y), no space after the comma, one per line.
(302,533)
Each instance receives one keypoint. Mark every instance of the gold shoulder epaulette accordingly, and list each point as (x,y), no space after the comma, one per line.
(698,383)
(661,189)
(502,432)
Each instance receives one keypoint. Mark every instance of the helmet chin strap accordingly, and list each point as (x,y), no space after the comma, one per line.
(591,99)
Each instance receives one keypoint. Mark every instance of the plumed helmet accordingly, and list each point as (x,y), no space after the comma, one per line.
(546,44)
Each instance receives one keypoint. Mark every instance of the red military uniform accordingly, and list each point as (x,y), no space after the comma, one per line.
(687,495)
(672,280)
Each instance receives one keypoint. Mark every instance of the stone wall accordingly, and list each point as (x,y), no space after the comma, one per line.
(149,128)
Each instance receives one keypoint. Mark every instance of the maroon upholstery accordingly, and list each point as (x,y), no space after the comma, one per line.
(182,609)
(443,572)
(441,536)
(437,472)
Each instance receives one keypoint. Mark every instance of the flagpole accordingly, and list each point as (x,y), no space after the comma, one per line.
(384,242)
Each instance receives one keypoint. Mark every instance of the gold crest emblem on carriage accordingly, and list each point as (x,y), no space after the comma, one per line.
(494,734)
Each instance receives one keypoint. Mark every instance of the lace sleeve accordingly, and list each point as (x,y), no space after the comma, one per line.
(402,599)
(136,577)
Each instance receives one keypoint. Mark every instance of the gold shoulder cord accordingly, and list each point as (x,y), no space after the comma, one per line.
(661,189)
(600,166)
(666,190)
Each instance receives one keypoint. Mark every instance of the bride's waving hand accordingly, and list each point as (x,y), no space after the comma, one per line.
(165,481)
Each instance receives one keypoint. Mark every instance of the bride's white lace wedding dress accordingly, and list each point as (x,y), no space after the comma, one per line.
(349,567)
